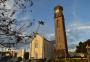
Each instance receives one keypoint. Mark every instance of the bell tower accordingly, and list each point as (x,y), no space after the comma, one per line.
(60,33)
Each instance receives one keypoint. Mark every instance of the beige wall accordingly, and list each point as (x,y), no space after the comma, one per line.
(36,50)
(48,50)
(20,53)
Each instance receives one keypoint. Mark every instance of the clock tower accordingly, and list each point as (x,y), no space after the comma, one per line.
(61,49)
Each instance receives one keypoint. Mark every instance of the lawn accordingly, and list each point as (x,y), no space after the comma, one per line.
(71,60)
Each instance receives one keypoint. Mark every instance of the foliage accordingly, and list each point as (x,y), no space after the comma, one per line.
(9,33)
(26,55)
(81,48)
(8,20)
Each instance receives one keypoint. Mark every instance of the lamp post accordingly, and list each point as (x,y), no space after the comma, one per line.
(88,52)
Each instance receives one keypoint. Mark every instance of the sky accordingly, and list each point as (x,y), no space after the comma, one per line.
(76,15)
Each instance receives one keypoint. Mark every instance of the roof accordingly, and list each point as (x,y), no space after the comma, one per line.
(53,41)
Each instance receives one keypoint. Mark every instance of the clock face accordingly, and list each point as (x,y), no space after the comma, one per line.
(57,11)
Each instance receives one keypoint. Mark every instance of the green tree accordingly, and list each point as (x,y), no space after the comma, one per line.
(81,48)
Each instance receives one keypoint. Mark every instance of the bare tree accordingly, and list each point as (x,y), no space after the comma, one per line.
(39,24)
(8,20)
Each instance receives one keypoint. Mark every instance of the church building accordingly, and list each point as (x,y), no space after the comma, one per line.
(40,48)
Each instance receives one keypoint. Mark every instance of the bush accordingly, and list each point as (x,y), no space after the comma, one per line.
(19,58)
(26,55)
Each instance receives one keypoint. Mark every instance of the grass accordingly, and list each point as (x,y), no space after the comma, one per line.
(64,60)
(71,60)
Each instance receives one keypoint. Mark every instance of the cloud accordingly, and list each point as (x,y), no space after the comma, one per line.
(74,9)
(72,50)
(50,36)
(9,4)
(76,32)
(24,22)
(82,27)
(85,27)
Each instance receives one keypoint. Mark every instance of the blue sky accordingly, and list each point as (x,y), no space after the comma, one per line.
(76,13)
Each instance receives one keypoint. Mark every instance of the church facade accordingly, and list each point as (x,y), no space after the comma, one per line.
(40,48)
